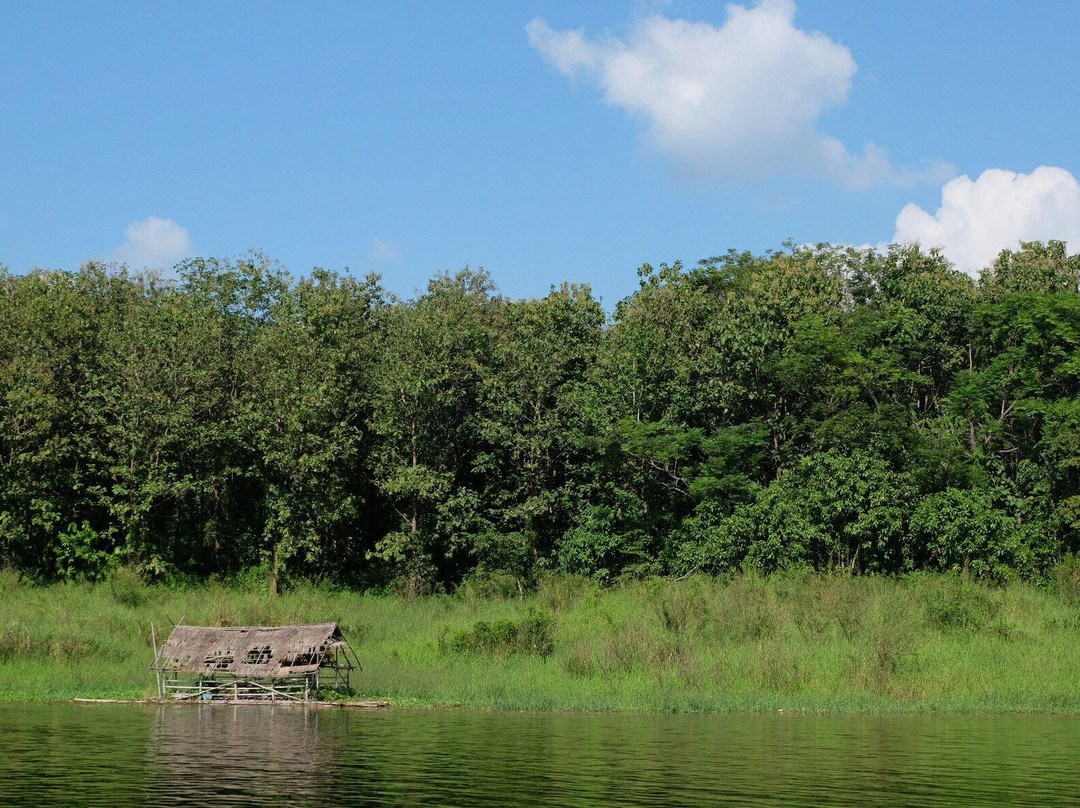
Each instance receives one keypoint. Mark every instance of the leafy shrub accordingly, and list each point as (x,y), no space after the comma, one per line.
(1067,577)
(830,511)
(961,530)
(80,554)
(709,539)
(531,636)
(601,544)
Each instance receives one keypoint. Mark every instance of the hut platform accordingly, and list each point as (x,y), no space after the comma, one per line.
(366,705)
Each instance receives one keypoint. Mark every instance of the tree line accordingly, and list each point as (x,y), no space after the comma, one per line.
(825,407)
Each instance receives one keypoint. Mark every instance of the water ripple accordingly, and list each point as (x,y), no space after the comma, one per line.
(119,755)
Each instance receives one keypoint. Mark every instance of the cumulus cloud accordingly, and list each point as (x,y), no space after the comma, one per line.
(384,250)
(979,218)
(730,102)
(153,242)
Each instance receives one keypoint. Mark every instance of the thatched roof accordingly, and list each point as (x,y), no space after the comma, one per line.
(253,651)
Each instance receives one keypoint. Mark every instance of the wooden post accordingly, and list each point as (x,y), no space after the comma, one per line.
(157,673)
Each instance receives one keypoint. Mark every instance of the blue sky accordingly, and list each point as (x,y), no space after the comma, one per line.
(545,141)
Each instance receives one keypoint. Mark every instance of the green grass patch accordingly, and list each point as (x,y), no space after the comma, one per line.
(792,642)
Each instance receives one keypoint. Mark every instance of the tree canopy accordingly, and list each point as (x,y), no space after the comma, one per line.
(868,411)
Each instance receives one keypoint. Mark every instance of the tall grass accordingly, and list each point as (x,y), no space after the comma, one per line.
(793,642)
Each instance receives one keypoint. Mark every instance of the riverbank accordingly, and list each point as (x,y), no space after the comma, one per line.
(789,642)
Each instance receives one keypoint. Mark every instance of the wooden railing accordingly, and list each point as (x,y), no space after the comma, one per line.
(237,690)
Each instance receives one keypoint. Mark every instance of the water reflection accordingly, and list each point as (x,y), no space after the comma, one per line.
(231,755)
(243,754)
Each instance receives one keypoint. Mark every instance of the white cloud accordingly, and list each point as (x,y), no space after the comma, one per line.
(977,219)
(732,102)
(153,242)
(384,250)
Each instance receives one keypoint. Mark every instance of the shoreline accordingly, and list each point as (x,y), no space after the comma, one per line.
(908,711)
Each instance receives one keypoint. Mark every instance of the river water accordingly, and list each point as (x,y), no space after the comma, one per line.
(120,755)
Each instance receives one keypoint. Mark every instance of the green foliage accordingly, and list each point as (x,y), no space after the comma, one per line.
(1036,267)
(831,512)
(532,635)
(814,407)
(80,554)
(962,531)
(595,545)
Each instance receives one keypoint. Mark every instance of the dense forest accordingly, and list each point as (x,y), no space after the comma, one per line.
(824,407)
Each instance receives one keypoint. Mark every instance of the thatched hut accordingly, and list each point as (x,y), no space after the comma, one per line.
(252,663)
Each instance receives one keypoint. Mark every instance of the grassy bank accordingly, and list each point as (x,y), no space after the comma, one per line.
(786,642)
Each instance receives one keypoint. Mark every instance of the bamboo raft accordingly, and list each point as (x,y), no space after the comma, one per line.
(367,705)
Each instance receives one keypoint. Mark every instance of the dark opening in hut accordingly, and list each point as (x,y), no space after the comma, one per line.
(252,663)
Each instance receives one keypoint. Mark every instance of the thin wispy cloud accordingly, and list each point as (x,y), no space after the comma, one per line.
(385,250)
(978,218)
(735,102)
(154,243)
